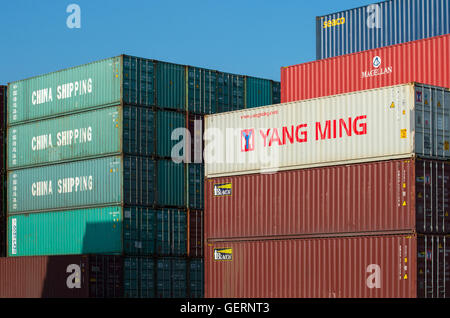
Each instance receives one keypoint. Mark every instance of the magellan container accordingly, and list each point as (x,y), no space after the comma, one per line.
(380,266)
(123,80)
(380,24)
(424,61)
(117,230)
(396,196)
(380,124)
(123,180)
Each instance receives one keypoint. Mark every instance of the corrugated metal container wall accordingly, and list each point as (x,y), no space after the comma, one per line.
(167,122)
(196,278)
(202,90)
(258,92)
(170,85)
(196,233)
(380,24)
(138,84)
(171,189)
(231,92)
(171,278)
(132,230)
(384,266)
(379,124)
(79,136)
(74,89)
(400,195)
(3,93)
(67,185)
(424,61)
(74,276)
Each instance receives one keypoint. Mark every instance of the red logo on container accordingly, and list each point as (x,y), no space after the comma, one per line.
(247,140)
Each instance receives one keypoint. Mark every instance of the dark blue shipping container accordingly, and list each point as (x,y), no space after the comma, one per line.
(380,24)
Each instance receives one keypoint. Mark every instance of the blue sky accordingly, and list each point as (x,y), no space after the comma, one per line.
(248,37)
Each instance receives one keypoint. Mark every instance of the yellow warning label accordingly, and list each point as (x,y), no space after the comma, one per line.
(446,213)
(404,112)
(404,203)
(403,133)
(439,104)
(393,105)
(419,195)
(404,185)
(426,102)
(440,245)
(446,145)
(406,260)
(405,277)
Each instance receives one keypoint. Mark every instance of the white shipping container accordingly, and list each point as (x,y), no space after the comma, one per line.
(393,122)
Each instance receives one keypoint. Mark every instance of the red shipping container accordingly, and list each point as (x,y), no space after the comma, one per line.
(398,195)
(73,276)
(384,266)
(424,61)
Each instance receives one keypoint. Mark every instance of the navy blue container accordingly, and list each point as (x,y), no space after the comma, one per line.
(381,24)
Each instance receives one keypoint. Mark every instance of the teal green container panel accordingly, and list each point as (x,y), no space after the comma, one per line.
(230,92)
(167,122)
(78,136)
(138,81)
(83,231)
(139,181)
(138,131)
(70,90)
(139,277)
(259,92)
(196,185)
(196,278)
(171,232)
(202,90)
(171,278)
(66,186)
(171,85)
(171,183)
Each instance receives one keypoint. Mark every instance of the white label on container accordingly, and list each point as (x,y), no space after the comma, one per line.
(14,236)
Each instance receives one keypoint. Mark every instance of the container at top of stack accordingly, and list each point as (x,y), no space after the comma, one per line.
(380,24)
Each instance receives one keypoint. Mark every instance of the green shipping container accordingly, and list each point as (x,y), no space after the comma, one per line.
(125,80)
(167,124)
(261,92)
(114,230)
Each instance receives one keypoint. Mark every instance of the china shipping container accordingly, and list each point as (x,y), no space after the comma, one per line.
(396,196)
(117,230)
(94,276)
(424,61)
(380,24)
(123,80)
(126,180)
(379,124)
(380,266)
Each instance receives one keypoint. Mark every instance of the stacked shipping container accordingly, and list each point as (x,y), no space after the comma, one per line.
(344,205)
(90,166)
(314,182)
(2,171)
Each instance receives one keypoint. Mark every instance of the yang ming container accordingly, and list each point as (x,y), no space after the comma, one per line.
(424,61)
(385,196)
(382,266)
(131,230)
(124,180)
(380,24)
(125,80)
(381,124)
